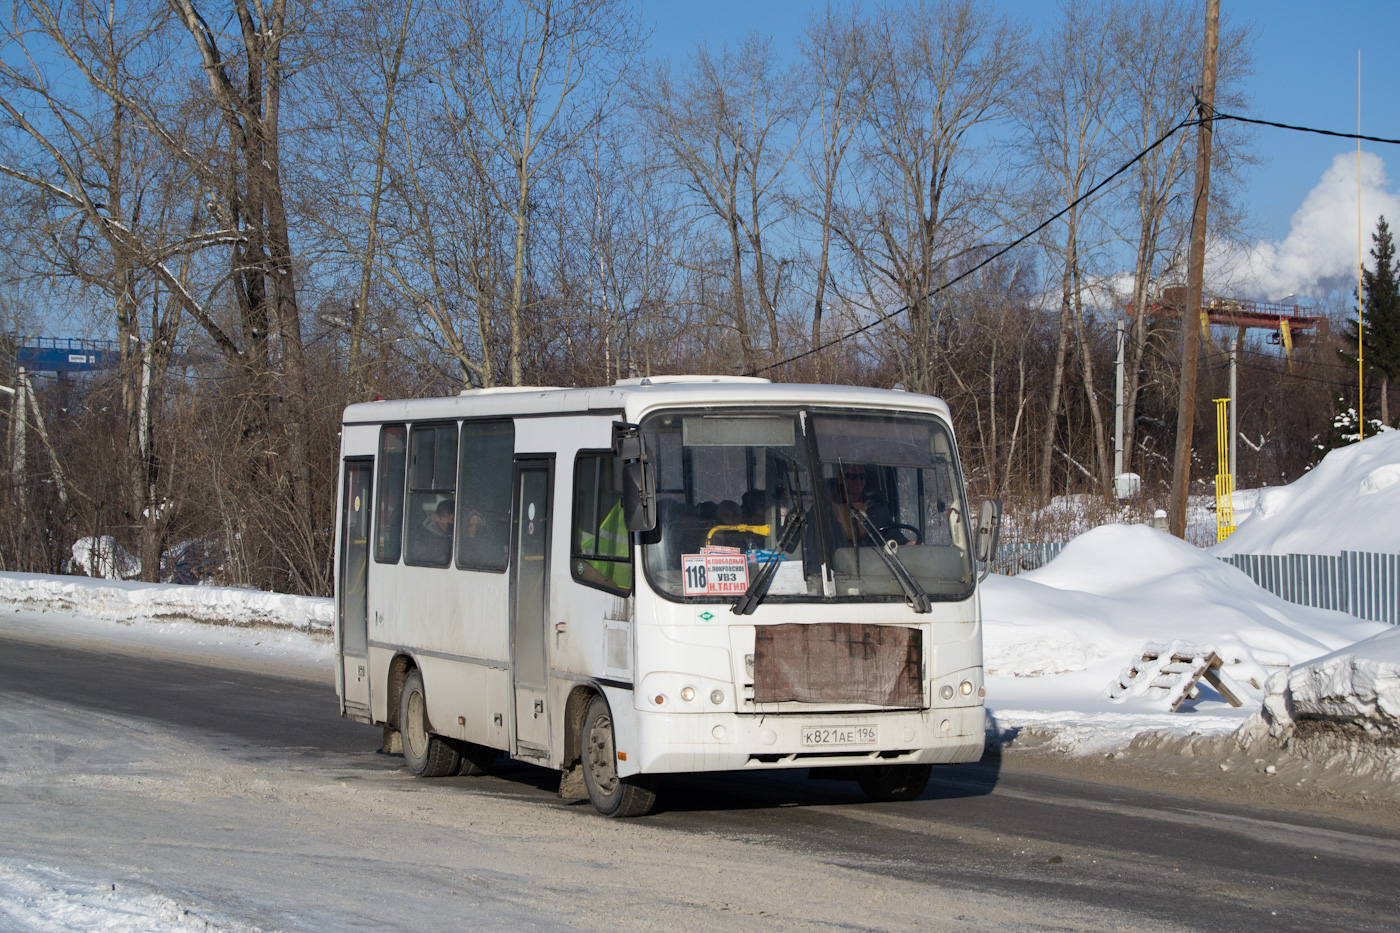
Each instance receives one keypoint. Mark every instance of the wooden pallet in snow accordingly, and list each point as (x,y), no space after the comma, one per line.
(1169,674)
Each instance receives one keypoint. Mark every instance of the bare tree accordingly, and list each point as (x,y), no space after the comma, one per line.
(836,44)
(1156,47)
(234,159)
(523,84)
(730,130)
(939,76)
(366,59)
(1065,115)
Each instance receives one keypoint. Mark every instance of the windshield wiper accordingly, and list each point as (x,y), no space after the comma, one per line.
(758,586)
(886,549)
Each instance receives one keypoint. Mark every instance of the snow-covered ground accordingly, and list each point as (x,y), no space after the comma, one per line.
(1348,502)
(1056,639)
(196,621)
(42,899)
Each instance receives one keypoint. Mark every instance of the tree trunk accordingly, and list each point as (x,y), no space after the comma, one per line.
(1057,378)
(1086,361)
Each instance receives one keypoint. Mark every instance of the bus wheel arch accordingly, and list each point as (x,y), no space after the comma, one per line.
(575,708)
(427,754)
(399,669)
(612,796)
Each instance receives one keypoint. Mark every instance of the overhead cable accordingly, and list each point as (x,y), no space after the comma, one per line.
(887,316)
(1304,129)
(884,317)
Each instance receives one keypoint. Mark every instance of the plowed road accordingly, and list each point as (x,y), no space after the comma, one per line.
(241,796)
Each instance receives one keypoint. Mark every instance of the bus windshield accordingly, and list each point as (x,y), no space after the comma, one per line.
(877,499)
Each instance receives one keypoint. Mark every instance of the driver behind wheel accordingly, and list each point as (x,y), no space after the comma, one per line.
(851,499)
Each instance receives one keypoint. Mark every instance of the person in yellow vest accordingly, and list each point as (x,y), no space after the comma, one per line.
(613,540)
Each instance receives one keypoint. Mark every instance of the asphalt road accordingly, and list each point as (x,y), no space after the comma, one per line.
(1000,827)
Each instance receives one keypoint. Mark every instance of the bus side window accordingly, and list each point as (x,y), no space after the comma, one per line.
(601,547)
(388,533)
(432,474)
(483,501)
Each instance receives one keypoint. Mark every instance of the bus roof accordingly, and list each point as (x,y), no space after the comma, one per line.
(633,398)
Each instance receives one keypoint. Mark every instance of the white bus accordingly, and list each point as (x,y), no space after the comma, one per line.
(674,574)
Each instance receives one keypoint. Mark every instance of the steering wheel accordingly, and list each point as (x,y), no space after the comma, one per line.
(918,535)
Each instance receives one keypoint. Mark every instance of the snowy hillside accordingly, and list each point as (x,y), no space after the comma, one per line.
(1348,502)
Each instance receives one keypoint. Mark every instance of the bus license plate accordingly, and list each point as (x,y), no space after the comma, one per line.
(823,736)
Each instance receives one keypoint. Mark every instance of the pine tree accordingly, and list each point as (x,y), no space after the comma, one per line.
(1380,314)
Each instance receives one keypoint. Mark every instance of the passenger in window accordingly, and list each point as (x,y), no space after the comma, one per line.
(437,543)
(475,524)
(754,507)
(726,530)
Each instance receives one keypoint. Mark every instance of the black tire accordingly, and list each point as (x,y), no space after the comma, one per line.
(476,759)
(426,755)
(610,795)
(894,782)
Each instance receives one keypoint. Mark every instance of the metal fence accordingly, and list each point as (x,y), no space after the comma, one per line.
(1016,558)
(1363,583)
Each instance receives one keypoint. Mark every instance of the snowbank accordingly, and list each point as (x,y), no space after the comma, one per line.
(1057,638)
(1357,686)
(132,600)
(1348,502)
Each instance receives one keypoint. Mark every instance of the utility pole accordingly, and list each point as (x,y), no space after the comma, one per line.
(1234,406)
(1195,270)
(1118,405)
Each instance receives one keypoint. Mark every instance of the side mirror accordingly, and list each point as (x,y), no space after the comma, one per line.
(639,495)
(638,477)
(627,442)
(988,531)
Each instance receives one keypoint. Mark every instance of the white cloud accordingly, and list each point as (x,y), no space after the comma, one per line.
(1319,253)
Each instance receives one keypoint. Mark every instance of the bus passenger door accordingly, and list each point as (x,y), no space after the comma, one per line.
(530,603)
(352,590)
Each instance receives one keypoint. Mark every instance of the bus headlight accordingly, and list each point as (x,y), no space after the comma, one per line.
(947,692)
(717,697)
(965,688)
(687,693)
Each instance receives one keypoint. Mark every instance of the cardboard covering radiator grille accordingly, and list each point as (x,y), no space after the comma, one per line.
(834,662)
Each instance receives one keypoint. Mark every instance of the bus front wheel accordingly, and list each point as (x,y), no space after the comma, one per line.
(894,782)
(610,795)
(426,755)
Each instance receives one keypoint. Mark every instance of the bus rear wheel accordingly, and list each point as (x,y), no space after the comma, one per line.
(427,755)
(894,782)
(610,795)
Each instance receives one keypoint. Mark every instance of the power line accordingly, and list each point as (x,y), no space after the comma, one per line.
(1216,115)
(1304,129)
(885,317)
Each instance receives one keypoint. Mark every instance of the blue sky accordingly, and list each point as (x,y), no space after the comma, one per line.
(1305,73)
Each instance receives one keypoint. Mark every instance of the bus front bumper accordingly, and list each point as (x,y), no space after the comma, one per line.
(685,742)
